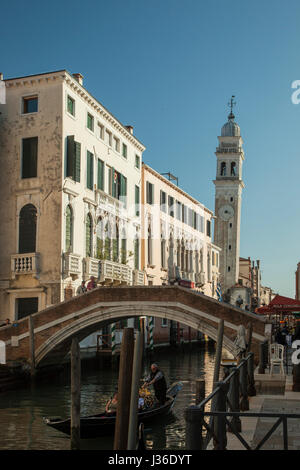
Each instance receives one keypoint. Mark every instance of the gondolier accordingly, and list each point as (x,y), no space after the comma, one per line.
(157,379)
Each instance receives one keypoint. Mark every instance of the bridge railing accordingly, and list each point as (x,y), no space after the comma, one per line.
(229,403)
(230,395)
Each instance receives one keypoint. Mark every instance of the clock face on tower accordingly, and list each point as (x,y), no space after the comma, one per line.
(226,212)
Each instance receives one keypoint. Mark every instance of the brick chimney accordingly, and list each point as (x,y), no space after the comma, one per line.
(78,77)
(130,129)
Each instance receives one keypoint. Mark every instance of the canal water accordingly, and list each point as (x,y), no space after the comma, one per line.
(22,410)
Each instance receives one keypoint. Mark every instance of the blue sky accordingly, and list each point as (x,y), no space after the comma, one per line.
(169,68)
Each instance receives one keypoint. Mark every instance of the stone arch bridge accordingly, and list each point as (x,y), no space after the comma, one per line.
(55,326)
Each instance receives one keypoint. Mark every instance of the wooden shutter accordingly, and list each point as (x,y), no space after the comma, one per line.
(27,229)
(77,158)
(90,170)
(100,174)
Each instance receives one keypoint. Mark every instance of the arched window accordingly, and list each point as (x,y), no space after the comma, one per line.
(89,235)
(69,229)
(27,229)
(115,247)
(233,169)
(223,169)
(136,253)
(107,243)
(99,238)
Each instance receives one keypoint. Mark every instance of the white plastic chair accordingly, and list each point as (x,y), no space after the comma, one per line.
(276,357)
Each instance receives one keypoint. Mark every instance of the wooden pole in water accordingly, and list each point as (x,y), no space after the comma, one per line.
(124,390)
(75,394)
(218,353)
(136,374)
(200,390)
(31,345)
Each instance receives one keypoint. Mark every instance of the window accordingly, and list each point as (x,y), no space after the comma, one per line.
(29,157)
(90,122)
(171,206)
(116,144)
(69,229)
(100,180)
(117,185)
(208,224)
(164,322)
(73,159)
(163,252)
(233,169)
(137,161)
(27,306)
(137,201)
(88,235)
(123,250)
(71,105)
(178,210)
(108,136)
(30,104)
(89,170)
(124,150)
(101,131)
(27,229)
(115,245)
(223,169)
(136,253)
(149,193)
(163,201)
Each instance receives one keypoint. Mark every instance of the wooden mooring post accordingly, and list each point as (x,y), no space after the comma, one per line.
(136,374)
(234,399)
(200,390)
(193,428)
(75,394)
(31,345)
(124,390)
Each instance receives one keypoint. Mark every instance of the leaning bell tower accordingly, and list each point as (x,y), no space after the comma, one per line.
(228,198)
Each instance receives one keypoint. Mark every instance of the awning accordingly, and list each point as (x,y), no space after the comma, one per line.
(280,304)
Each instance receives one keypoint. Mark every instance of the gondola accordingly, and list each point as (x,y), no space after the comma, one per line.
(103,425)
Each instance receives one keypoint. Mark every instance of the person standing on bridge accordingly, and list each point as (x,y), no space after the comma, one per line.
(157,379)
(82,288)
(91,284)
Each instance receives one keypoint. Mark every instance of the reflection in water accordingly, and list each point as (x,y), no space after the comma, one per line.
(22,411)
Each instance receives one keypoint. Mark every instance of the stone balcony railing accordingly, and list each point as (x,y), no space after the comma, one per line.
(138,277)
(91,267)
(117,273)
(25,263)
(200,278)
(71,265)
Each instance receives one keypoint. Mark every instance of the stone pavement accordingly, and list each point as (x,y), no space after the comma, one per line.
(253,429)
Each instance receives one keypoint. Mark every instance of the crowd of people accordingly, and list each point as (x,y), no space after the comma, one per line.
(285,335)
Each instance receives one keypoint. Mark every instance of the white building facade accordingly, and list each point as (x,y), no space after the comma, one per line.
(69,185)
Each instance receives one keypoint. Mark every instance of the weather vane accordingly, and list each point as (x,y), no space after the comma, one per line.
(231,104)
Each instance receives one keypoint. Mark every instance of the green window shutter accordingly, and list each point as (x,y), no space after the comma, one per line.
(70,156)
(114,182)
(77,162)
(100,175)
(88,234)
(90,170)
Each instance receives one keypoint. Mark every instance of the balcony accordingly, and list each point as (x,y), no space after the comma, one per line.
(138,277)
(114,273)
(26,263)
(200,279)
(91,268)
(71,265)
